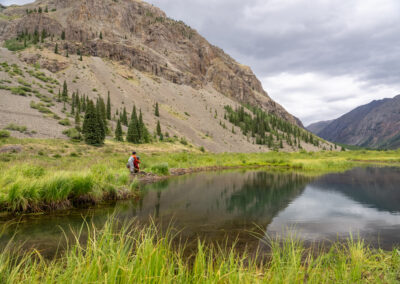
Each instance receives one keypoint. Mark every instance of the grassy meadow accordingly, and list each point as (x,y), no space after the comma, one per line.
(48,174)
(115,254)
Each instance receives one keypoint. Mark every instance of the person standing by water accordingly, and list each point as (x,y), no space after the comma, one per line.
(133,163)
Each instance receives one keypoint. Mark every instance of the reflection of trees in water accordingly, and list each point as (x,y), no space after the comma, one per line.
(263,191)
(377,187)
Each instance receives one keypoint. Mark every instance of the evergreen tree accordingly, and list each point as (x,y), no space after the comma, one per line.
(77,102)
(46,10)
(100,107)
(92,129)
(134,114)
(157,111)
(73,104)
(118,132)
(143,132)
(63,35)
(133,134)
(83,103)
(101,35)
(56,49)
(40,10)
(77,121)
(59,96)
(124,117)
(100,119)
(108,106)
(158,128)
(65,92)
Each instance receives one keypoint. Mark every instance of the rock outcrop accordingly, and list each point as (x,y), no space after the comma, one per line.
(141,36)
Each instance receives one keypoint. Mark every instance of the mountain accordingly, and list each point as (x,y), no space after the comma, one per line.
(318,126)
(134,51)
(374,125)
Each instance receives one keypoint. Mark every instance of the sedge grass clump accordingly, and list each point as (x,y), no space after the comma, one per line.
(128,253)
(160,169)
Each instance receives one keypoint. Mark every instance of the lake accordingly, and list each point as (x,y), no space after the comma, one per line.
(244,206)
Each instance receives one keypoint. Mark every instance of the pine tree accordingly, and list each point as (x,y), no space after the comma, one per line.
(158,128)
(100,107)
(63,35)
(108,106)
(56,49)
(73,104)
(59,96)
(83,103)
(133,134)
(92,129)
(100,121)
(80,58)
(142,129)
(46,10)
(124,117)
(157,111)
(101,35)
(118,132)
(65,92)
(40,10)
(134,114)
(77,121)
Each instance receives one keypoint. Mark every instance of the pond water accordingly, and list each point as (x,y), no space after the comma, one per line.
(245,206)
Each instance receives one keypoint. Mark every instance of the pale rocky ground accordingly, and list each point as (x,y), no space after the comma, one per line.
(184,111)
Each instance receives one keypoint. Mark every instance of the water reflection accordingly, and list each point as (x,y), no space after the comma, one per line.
(233,204)
(364,202)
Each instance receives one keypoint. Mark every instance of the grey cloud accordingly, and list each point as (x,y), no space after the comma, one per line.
(359,39)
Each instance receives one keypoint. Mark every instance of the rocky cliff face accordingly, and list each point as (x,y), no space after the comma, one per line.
(375,125)
(141,36)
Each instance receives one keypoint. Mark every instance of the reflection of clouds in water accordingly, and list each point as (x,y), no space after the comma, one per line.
(320,214)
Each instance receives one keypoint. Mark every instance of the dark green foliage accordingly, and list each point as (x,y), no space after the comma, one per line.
(46,10)
(101,35)
(65,92)
(108,106)
(73,133)
(158,128)
(63,35)
(124,117)
(137,130)
(4,134)
(56,49)
(118,132)
(157,111)
(93,130)
(73,104)
(263,127)
(40,10)
(101,113)
(77,121)
(133,133)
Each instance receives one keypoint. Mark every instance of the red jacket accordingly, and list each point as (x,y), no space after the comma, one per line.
(136,161)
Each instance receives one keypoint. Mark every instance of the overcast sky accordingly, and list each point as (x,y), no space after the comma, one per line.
(318,58)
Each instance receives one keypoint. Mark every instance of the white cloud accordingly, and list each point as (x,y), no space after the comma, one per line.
(312,96)
(319,58)
(18,2)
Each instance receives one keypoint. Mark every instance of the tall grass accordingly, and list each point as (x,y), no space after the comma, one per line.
(127,254)
(50,174)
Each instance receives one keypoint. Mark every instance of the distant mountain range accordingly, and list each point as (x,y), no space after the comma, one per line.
(374,125)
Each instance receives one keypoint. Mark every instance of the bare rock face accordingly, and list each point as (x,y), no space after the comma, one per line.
(141,36)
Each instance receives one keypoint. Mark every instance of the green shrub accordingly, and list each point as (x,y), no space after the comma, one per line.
(65,122)
(160,169)
(73,134)
(4,134)
(15,127)
(14,45)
